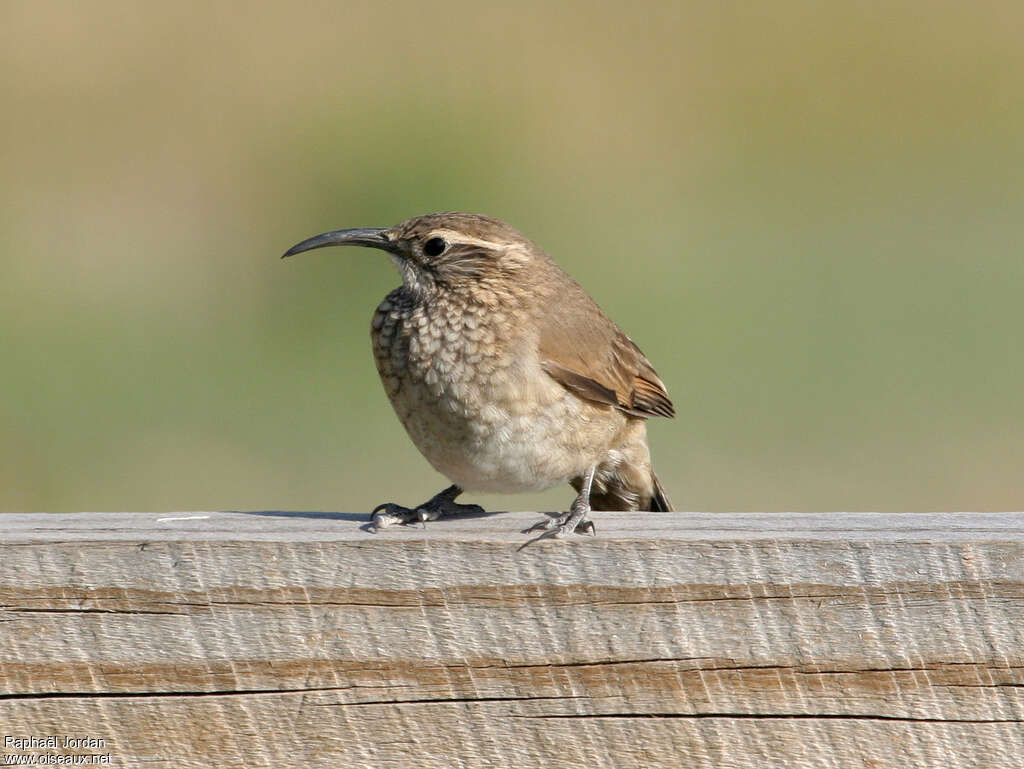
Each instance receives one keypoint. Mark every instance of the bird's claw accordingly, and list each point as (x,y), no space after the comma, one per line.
(560,526)
(389,513)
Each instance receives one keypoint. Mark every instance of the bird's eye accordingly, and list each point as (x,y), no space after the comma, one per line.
(434,247)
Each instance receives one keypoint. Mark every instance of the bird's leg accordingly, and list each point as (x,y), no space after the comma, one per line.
(573,521)
(439,505)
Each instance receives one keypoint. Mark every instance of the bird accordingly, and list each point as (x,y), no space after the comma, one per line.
(506,374)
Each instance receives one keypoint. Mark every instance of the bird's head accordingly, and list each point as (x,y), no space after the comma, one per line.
(438,252)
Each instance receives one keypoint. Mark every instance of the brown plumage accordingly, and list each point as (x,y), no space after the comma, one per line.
(506,374)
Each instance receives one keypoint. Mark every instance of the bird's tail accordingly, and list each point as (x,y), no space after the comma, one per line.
(614,491)
(660,503)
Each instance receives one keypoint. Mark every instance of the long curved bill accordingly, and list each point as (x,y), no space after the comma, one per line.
(371,237)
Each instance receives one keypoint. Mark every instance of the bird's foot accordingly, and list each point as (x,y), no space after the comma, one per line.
(559,526)
(440,505)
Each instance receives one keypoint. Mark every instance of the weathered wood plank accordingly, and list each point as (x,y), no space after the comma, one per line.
(274,639)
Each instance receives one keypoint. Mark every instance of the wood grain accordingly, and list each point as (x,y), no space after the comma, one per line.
(300,639)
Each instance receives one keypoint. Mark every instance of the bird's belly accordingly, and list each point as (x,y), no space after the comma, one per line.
(527,437)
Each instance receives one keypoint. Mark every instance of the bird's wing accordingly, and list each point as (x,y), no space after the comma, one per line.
(588,354)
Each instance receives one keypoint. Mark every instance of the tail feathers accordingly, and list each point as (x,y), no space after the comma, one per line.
(613,492)
(660,503)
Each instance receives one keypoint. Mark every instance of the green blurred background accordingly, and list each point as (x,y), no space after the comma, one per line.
(809,215)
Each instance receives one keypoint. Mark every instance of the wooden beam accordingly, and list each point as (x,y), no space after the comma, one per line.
(668,640)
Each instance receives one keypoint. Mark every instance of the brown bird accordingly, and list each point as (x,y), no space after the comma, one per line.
(507,376)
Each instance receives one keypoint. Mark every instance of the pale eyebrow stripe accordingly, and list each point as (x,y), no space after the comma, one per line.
(454,236)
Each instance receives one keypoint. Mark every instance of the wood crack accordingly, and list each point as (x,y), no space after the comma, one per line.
(782,716)
(48,610)
(152,695)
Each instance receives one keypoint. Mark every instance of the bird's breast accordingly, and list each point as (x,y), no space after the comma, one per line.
(454,364)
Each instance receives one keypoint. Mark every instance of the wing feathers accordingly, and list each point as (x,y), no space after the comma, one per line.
(622,377)
(579,384)
(581,348)
(651,398)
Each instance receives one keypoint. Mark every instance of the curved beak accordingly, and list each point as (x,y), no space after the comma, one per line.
(371,237)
